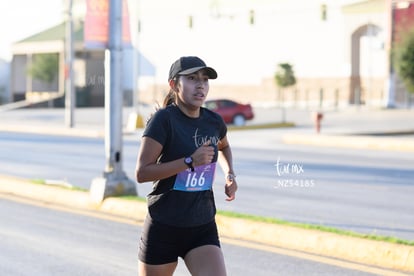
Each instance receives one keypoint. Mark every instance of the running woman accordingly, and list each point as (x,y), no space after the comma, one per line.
(180,147)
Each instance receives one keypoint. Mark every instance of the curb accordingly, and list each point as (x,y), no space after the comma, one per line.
(349,141)
(368,252)
(52,130)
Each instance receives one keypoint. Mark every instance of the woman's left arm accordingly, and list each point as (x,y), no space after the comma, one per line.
(225,159)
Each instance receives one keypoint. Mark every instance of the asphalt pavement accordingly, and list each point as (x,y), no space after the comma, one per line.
(379,129)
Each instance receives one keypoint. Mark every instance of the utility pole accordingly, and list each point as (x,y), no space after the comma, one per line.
(390,82)
(70,96)
(114,181)
(135,119)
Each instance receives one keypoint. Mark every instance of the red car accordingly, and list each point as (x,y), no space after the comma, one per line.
(232,112)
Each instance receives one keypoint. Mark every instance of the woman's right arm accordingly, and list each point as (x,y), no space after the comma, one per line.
(147,168)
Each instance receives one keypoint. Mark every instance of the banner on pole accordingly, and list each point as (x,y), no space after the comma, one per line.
(96,27)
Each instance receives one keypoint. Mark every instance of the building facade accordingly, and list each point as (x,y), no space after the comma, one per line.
(339,51)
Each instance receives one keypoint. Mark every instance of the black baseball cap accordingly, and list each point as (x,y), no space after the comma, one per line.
(189,65)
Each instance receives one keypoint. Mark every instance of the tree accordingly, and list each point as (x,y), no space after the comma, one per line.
(404,60)
(285,76)
(45,67)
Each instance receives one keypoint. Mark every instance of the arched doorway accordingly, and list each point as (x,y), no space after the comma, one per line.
(356,93)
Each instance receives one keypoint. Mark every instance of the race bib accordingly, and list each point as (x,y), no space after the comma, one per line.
(201,179)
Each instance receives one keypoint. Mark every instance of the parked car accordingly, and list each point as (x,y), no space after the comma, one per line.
(232,112)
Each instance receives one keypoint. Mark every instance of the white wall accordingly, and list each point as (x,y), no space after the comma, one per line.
(285,31)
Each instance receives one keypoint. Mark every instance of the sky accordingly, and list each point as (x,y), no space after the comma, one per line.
(22,18)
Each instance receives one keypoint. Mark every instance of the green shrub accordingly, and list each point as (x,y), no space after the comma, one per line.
(404,59)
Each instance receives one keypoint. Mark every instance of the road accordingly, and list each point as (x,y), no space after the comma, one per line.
(360,190)
(40,239)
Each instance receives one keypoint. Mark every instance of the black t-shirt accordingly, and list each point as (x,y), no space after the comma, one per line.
(180,136)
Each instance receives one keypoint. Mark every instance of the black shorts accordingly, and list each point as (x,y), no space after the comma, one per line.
(162,244)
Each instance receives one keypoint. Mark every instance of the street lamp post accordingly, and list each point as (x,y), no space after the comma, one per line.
(114,181)
(390,82)
(70,95)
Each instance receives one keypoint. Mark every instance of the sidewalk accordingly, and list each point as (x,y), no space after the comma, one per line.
(375,129)
(361,128)
(379,126)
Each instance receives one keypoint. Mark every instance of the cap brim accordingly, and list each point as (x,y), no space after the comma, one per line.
(211,73)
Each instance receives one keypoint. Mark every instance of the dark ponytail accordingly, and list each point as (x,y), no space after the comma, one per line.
(169,98)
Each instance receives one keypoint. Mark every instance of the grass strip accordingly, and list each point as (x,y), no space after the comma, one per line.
(316,227)
(270,220)
(261,126)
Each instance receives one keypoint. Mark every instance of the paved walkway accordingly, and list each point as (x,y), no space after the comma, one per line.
(390,122)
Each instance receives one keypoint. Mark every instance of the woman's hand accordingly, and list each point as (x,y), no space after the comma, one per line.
(230,187)
(203,155)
